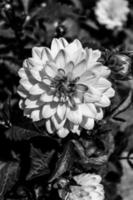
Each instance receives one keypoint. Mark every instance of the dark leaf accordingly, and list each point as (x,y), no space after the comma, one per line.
(8,176)
(98,161)
(58,12)
(89,156)
(26,4)
(19,133)
(121,142)
(78,147)
(12,64)
(91,24)
(130,158)
(122,106)
(64,163)
(5,114)
(39,163)
(6,33)
(77,4)
(114,170)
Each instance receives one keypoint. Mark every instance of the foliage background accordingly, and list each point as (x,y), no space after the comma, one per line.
(27,153)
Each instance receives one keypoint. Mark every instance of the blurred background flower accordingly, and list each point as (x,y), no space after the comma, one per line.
(112,13)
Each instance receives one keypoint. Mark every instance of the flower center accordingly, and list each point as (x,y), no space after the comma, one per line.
(64,86)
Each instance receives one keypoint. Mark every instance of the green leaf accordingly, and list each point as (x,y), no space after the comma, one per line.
(8,176)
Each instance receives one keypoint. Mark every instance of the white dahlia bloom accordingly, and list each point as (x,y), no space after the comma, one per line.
(112,13)
(88,188)
(65,85)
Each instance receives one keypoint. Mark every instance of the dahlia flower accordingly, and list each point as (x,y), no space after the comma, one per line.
(65,85)
(112,13)
(88,188)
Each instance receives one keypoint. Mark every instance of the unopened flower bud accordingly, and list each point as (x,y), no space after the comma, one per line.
(120,65)
(124,61)
(62,182)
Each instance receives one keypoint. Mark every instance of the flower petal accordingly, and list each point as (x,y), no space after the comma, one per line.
(92,57)
(74,46)
(74,128)
(75,116)
(109,93)
(74,51)
(22,73)
(46,97)
(46,55)
(79,69)
(63,42)
(34,64)
(57,124)
(99,114)
(26,84)
(87,179)
(87,78)
(35,74)
(47,81)
(87,110)
(35,115)
(62,132)
(103,102)
(22,92)
(21,104)
(36,90)
(87,123)
(36,52)
(61,111)
(102,84)
(69,69)
(51,70)
(60,60)
(100,70)
(56,46)
(56,99)
(31,104)
(48,111)
(49,126)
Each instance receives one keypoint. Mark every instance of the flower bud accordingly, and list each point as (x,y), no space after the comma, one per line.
(124,62)
(120,65)
(62,182)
